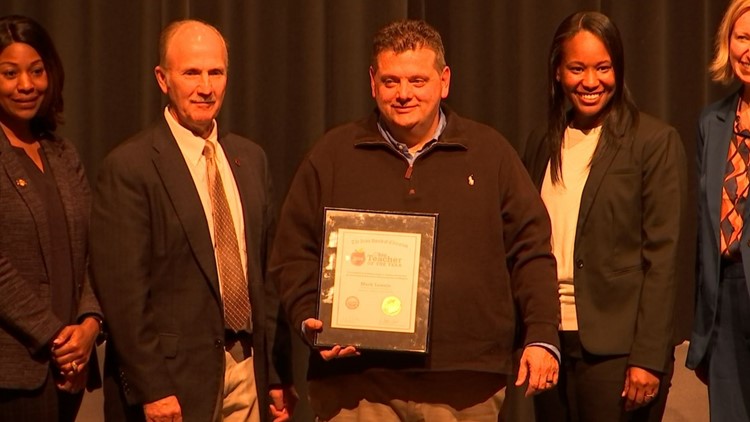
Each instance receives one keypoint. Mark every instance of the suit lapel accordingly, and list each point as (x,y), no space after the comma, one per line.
(28,193)
(178,182)
(247,186)
(719,132)
(598,170)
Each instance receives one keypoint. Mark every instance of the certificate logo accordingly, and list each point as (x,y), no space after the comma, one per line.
(352,302)
(391,306)
(358,257)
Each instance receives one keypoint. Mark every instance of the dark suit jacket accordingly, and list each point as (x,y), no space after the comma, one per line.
(715,132)
(156,277)
(27,323)
(626,242)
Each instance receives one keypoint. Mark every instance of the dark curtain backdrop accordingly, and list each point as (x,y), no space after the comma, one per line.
(298,68)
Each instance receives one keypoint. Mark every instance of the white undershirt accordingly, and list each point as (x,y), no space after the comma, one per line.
(191,147)
(563,201)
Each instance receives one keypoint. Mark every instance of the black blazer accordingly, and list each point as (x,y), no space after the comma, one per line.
(156,277)
(626,242)
(27,323)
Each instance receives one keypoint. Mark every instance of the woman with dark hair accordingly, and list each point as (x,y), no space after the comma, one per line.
(613,181)
(719,349)
(49,317)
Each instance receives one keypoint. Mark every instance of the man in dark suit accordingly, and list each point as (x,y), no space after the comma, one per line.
(181,224)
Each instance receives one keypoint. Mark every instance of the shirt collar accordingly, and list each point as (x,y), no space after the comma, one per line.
(191,145)
(403,148)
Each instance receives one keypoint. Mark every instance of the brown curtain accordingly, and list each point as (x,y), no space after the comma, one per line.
(299,67)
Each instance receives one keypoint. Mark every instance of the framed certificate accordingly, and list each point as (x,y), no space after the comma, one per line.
(376,280)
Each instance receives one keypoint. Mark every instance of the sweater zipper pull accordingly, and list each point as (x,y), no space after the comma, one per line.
(409,170)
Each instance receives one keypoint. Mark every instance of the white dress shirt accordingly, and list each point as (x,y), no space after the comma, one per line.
(191,147)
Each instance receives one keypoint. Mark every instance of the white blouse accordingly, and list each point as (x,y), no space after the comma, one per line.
(563,201)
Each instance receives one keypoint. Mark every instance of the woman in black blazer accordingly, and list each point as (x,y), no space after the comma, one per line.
(613,181)
(49,317)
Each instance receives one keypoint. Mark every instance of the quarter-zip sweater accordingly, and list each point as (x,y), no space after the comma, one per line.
(494,281)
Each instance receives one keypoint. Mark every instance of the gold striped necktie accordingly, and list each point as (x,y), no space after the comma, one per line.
(233,283)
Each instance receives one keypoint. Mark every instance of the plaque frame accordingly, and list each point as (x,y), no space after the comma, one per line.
(419,231)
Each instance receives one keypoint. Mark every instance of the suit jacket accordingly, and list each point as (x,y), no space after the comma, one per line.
(27,323)
(715,132)
(156,277)
(626,242)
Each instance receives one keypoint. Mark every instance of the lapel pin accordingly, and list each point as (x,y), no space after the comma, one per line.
(471,180)
(21,183)
(237,161)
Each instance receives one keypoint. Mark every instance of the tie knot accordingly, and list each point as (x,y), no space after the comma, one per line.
(208,150)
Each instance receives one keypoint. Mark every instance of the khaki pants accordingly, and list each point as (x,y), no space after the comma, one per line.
(239,402)
(403,396)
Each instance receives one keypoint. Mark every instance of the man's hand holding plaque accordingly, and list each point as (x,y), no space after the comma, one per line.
(311,326)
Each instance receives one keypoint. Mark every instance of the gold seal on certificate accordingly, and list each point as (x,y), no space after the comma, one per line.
(376,279)
(391,306)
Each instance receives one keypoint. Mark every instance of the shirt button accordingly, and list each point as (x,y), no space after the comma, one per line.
(579,264)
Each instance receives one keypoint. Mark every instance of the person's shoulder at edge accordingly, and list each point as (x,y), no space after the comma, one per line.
(326,146)
(243,142)
(473,133)
(722,103)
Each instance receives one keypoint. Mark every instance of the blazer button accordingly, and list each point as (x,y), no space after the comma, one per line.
(219,343)
(579,264)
